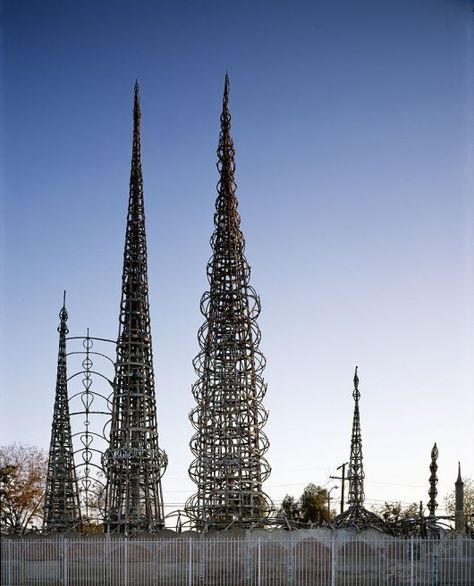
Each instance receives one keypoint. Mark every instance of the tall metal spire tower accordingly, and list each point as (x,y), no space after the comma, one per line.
(61,504)
(356,515)
(134,462)
(229,467)
(356,465)
(433,491)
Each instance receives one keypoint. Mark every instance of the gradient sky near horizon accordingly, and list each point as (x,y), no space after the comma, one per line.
(353,127)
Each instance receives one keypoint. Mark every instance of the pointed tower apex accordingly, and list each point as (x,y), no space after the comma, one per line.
(356,393)
(459,479)
(63,316)
(136,101)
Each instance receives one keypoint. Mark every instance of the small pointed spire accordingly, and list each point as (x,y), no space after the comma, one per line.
(226,89)
(63,316)
(459,479)
(356,393)
(459,524)
(136,99)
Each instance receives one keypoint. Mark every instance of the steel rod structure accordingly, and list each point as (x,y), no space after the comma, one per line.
(229,445)
(356,515)
(134,461)
(61,504)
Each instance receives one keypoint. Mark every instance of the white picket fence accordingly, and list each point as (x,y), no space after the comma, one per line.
(262,561)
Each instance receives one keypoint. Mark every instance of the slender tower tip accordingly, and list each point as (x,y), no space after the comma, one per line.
(459,473)
(356,377)
(226,87)
(64,299)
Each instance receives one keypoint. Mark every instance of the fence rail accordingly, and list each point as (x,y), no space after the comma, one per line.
(262,561)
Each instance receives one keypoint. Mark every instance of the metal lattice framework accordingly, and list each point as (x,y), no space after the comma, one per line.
(433,491)
(61,505)
(134,461)
(90,404)
(229,444)
(356,514)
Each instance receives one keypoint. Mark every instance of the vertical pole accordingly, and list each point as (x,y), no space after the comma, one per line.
(412,583)
(259,561)
(343,484)
(126,562)
(434,571)
(190,562)
(65,572)
(10,561)
(333,561)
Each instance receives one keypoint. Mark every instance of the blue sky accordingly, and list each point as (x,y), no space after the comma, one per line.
(353,127)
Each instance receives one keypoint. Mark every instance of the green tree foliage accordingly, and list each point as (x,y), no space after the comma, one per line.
(22,486)
(394,512)
(310,508)
(450,504)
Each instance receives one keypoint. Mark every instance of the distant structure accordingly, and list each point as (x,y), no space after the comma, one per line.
(356,515)
(459,523)
(433,491)
(134,462)
(61,505)
(229,467)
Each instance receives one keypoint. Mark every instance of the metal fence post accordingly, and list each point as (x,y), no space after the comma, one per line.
(10,561)
(259,561)
(65,572)
(412,561)
(190,562)
(434,571)
(333,561)
(126,562)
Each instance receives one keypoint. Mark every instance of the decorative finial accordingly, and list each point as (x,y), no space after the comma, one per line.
(433,491)
(356,393)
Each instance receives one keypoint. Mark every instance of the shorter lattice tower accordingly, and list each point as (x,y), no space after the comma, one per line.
(134,462)
(229,444)
(356,515)
(61,503)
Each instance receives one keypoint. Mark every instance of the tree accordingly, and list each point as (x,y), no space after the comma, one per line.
(311,507)
(22,486)
(394,513)
(289,508)
(450,502)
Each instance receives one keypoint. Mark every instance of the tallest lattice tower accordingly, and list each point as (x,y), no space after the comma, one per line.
(229,444)
(134,461)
